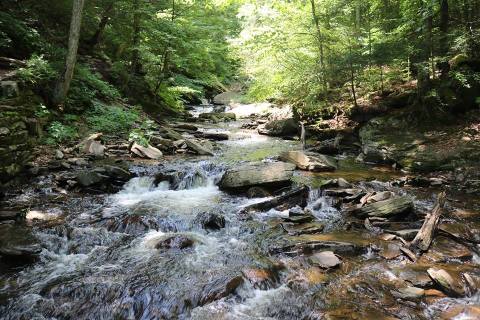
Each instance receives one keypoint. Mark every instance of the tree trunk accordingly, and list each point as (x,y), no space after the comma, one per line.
(352,79)
(320,47)
(136,38)
(95,39)
(429,27)
(63,83)
(424,237)
(444,25)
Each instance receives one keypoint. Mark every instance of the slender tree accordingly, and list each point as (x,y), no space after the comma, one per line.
(63,83)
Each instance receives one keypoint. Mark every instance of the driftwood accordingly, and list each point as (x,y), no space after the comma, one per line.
(424,237)
(295,197)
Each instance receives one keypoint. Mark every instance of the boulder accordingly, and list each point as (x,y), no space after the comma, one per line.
(92,145)
(325,259)
(199,149)
(220,288)
(257,174)
(309,161)
(175,242)
(146,152)
(279,128)
(218,116)
(210,220)
(387,208)
(260,278)
(89,178)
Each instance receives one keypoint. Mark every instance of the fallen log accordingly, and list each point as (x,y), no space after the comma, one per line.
(424,237)
(292,198)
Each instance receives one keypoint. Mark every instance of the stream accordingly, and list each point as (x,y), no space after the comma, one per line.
(100,256)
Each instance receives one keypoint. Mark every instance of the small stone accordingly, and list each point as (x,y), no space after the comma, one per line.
(59,154)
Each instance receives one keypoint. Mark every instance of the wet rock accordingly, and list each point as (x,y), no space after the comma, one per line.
(199,149)
(446,282)
(212,136)
(409,293)
(220,288)
(148,152)
(186,126)
(258,192)
(387,208)
(444,249)
(255,174)
(296,211)
(304,228)
(90,178)
(218,116)
(175,242)
(461,311)
(296,197)
(260,278)
(299,218)
(130,224)
(309,161)
(9,215)
(18,245)
(117,173)
(172,134)
(325,259)
(210,220)
(285,128)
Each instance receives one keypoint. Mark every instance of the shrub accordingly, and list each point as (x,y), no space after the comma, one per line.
(37,72)
(110,119)
(86,87)
(142,134)
(60,133)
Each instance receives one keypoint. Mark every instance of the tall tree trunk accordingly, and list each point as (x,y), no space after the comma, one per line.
(95,39)
(63,83)
(429,36)
(320,48)
(444,25)
(352,78)
(136,38)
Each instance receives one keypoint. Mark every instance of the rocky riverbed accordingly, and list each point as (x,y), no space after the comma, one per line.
(209,222)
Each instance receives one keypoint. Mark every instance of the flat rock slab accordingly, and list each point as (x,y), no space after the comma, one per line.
(255,174)
(309,161)
(446,282)
(199,149)
(146,152)
(386,208)
(325,259)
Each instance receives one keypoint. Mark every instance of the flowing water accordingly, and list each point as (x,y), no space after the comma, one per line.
(100,260)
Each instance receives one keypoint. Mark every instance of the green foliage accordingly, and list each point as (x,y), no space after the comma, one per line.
(60,133)
(17,39)
(110,119)
(143,133)
(42,111)
(37,72)
(88,86)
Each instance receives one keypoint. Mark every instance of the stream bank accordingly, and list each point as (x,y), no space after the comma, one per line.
(163,239)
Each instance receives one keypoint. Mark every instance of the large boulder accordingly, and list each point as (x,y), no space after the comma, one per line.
(258,173)
(280,128)
(309,161)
